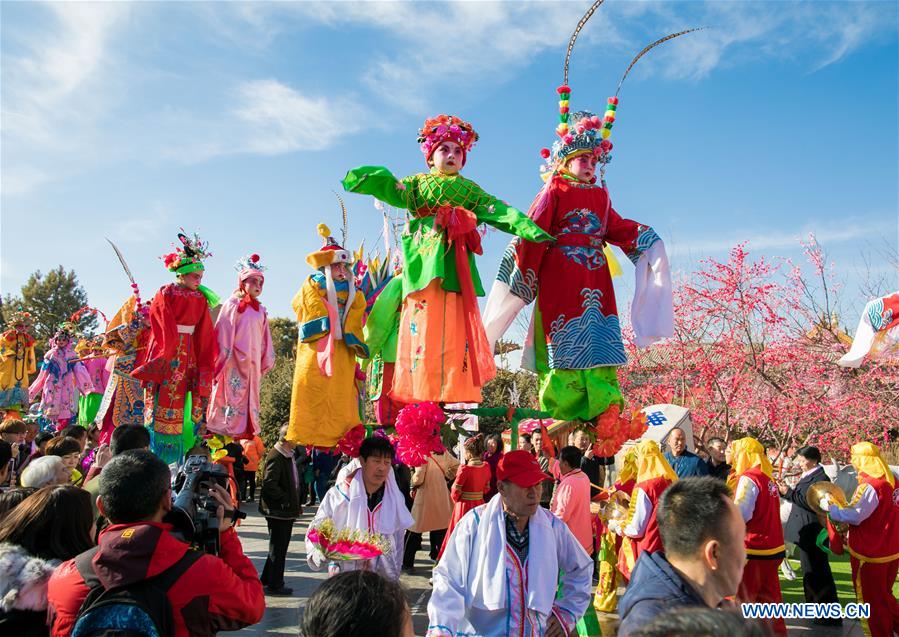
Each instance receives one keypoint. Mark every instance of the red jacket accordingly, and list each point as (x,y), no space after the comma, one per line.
(876,539)
(216,593)
(652,539)
(764,531)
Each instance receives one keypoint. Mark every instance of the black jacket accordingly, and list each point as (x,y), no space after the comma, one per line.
(802,525)
(655,587)
(280,497)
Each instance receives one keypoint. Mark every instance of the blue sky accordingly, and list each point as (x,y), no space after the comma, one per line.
(129,120)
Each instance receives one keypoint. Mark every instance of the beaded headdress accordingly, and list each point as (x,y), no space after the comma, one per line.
(583,132)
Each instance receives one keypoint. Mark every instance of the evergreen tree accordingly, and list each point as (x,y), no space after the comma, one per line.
(51,299)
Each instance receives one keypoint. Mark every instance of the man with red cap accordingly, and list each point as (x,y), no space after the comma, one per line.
(504,562)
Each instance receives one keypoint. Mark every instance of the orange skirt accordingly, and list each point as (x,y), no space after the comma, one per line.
(434,357)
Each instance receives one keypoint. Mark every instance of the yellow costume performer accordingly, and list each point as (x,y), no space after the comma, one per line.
(324,402)
(17,363)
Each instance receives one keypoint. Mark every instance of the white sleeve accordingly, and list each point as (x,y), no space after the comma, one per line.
(637,526)
(652,310)
(571,603)
(863,339)
(314,557)
(745,497)
(502,308)
(859,510)
(446,608)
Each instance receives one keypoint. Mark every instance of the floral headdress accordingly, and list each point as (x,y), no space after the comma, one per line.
(249,266)
(446,128)
(189,256)
(21,317)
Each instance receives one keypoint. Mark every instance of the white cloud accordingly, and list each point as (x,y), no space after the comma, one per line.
(845,230)
(73,78)
(138,228)
(282,120)
(59,77)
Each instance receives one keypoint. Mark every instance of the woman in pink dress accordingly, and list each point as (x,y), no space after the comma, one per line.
(61,379)
(245,354)
(472,481)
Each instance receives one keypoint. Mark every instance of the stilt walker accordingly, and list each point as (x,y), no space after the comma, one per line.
(61,379)
(442,352)
(574,342)
(245,355)
(178,365)
(17,363)
(324,400)
(123,399)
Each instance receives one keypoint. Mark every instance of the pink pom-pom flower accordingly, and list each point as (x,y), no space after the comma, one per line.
(544,152)
(254,258)
(418,433)
(351,441)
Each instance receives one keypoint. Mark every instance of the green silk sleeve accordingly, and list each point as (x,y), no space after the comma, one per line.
(378,182)
(502,216)
(383,321)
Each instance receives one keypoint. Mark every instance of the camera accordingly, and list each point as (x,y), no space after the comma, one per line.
(193,513)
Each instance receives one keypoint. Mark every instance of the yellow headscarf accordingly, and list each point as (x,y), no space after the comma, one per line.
(748,453)
(866,459)
(628,466)
(651,463)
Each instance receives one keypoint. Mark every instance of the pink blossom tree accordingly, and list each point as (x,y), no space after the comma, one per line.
(754,353)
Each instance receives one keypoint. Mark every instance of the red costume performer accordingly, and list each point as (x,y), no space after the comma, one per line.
(757,498)
(179,362)
(873,516)
(654,475)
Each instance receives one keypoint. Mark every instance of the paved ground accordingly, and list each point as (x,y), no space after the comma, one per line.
(282,615)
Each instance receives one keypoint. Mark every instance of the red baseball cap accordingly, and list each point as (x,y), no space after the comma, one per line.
(520,468)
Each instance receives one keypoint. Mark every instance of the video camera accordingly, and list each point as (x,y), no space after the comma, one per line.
(193,513)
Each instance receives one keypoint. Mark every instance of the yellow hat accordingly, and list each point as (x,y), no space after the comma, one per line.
(330,253)
(651,463)
(748,453)
(866,458)
(628,466)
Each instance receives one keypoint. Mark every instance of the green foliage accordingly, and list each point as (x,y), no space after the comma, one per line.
(496,393)
(284,336)
(274,399)
(51,299)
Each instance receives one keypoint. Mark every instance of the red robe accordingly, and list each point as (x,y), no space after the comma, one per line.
(575,323)
(180,358)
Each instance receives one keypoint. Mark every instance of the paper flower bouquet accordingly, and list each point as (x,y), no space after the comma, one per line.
(346,544)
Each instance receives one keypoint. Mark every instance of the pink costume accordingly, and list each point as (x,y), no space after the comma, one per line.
(245,354)
(60,380)
(99,375)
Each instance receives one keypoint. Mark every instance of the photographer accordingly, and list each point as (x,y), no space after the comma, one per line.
(212,593)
